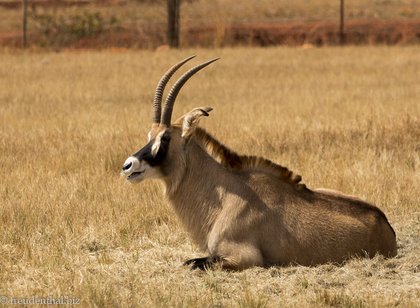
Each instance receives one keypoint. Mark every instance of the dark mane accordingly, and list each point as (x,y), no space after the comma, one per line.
(234,161)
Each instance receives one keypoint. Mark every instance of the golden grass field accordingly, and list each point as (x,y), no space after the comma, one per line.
(344,118)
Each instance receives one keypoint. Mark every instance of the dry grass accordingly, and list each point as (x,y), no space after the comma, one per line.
(347,119)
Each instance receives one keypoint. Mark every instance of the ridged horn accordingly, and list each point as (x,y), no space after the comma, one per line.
(170,99)
(157,100)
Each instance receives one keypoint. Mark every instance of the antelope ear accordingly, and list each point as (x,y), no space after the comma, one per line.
(191,120)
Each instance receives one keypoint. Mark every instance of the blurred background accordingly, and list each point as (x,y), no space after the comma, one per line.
(155,24)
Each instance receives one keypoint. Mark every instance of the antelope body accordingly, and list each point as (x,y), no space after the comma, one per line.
(247,211)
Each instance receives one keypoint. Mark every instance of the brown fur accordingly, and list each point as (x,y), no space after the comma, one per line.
(237,162)
(234,161)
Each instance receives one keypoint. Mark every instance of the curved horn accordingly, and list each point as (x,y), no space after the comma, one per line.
(170,99)
(157,100)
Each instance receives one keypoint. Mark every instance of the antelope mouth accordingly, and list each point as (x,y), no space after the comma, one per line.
(134,175)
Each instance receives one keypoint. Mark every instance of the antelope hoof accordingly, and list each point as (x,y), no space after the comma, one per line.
(201,263)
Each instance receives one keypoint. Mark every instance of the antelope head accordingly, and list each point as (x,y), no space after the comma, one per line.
(166,144)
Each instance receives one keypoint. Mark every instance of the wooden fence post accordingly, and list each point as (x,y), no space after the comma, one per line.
(341,30)
(173,22)
(24,23)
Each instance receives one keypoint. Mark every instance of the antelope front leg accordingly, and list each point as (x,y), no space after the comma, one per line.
(202,263)
(235,257)
(238,256)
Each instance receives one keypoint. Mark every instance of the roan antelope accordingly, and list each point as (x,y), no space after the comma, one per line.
(245,210)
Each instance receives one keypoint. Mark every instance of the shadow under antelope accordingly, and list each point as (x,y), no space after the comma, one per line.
(246,211)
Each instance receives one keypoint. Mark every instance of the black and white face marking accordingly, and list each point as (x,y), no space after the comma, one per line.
(154,152)
(144,163)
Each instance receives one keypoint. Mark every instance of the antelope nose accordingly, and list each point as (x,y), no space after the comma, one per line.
(129,165)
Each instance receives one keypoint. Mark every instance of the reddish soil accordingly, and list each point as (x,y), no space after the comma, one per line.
(315,33)
(291,34)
